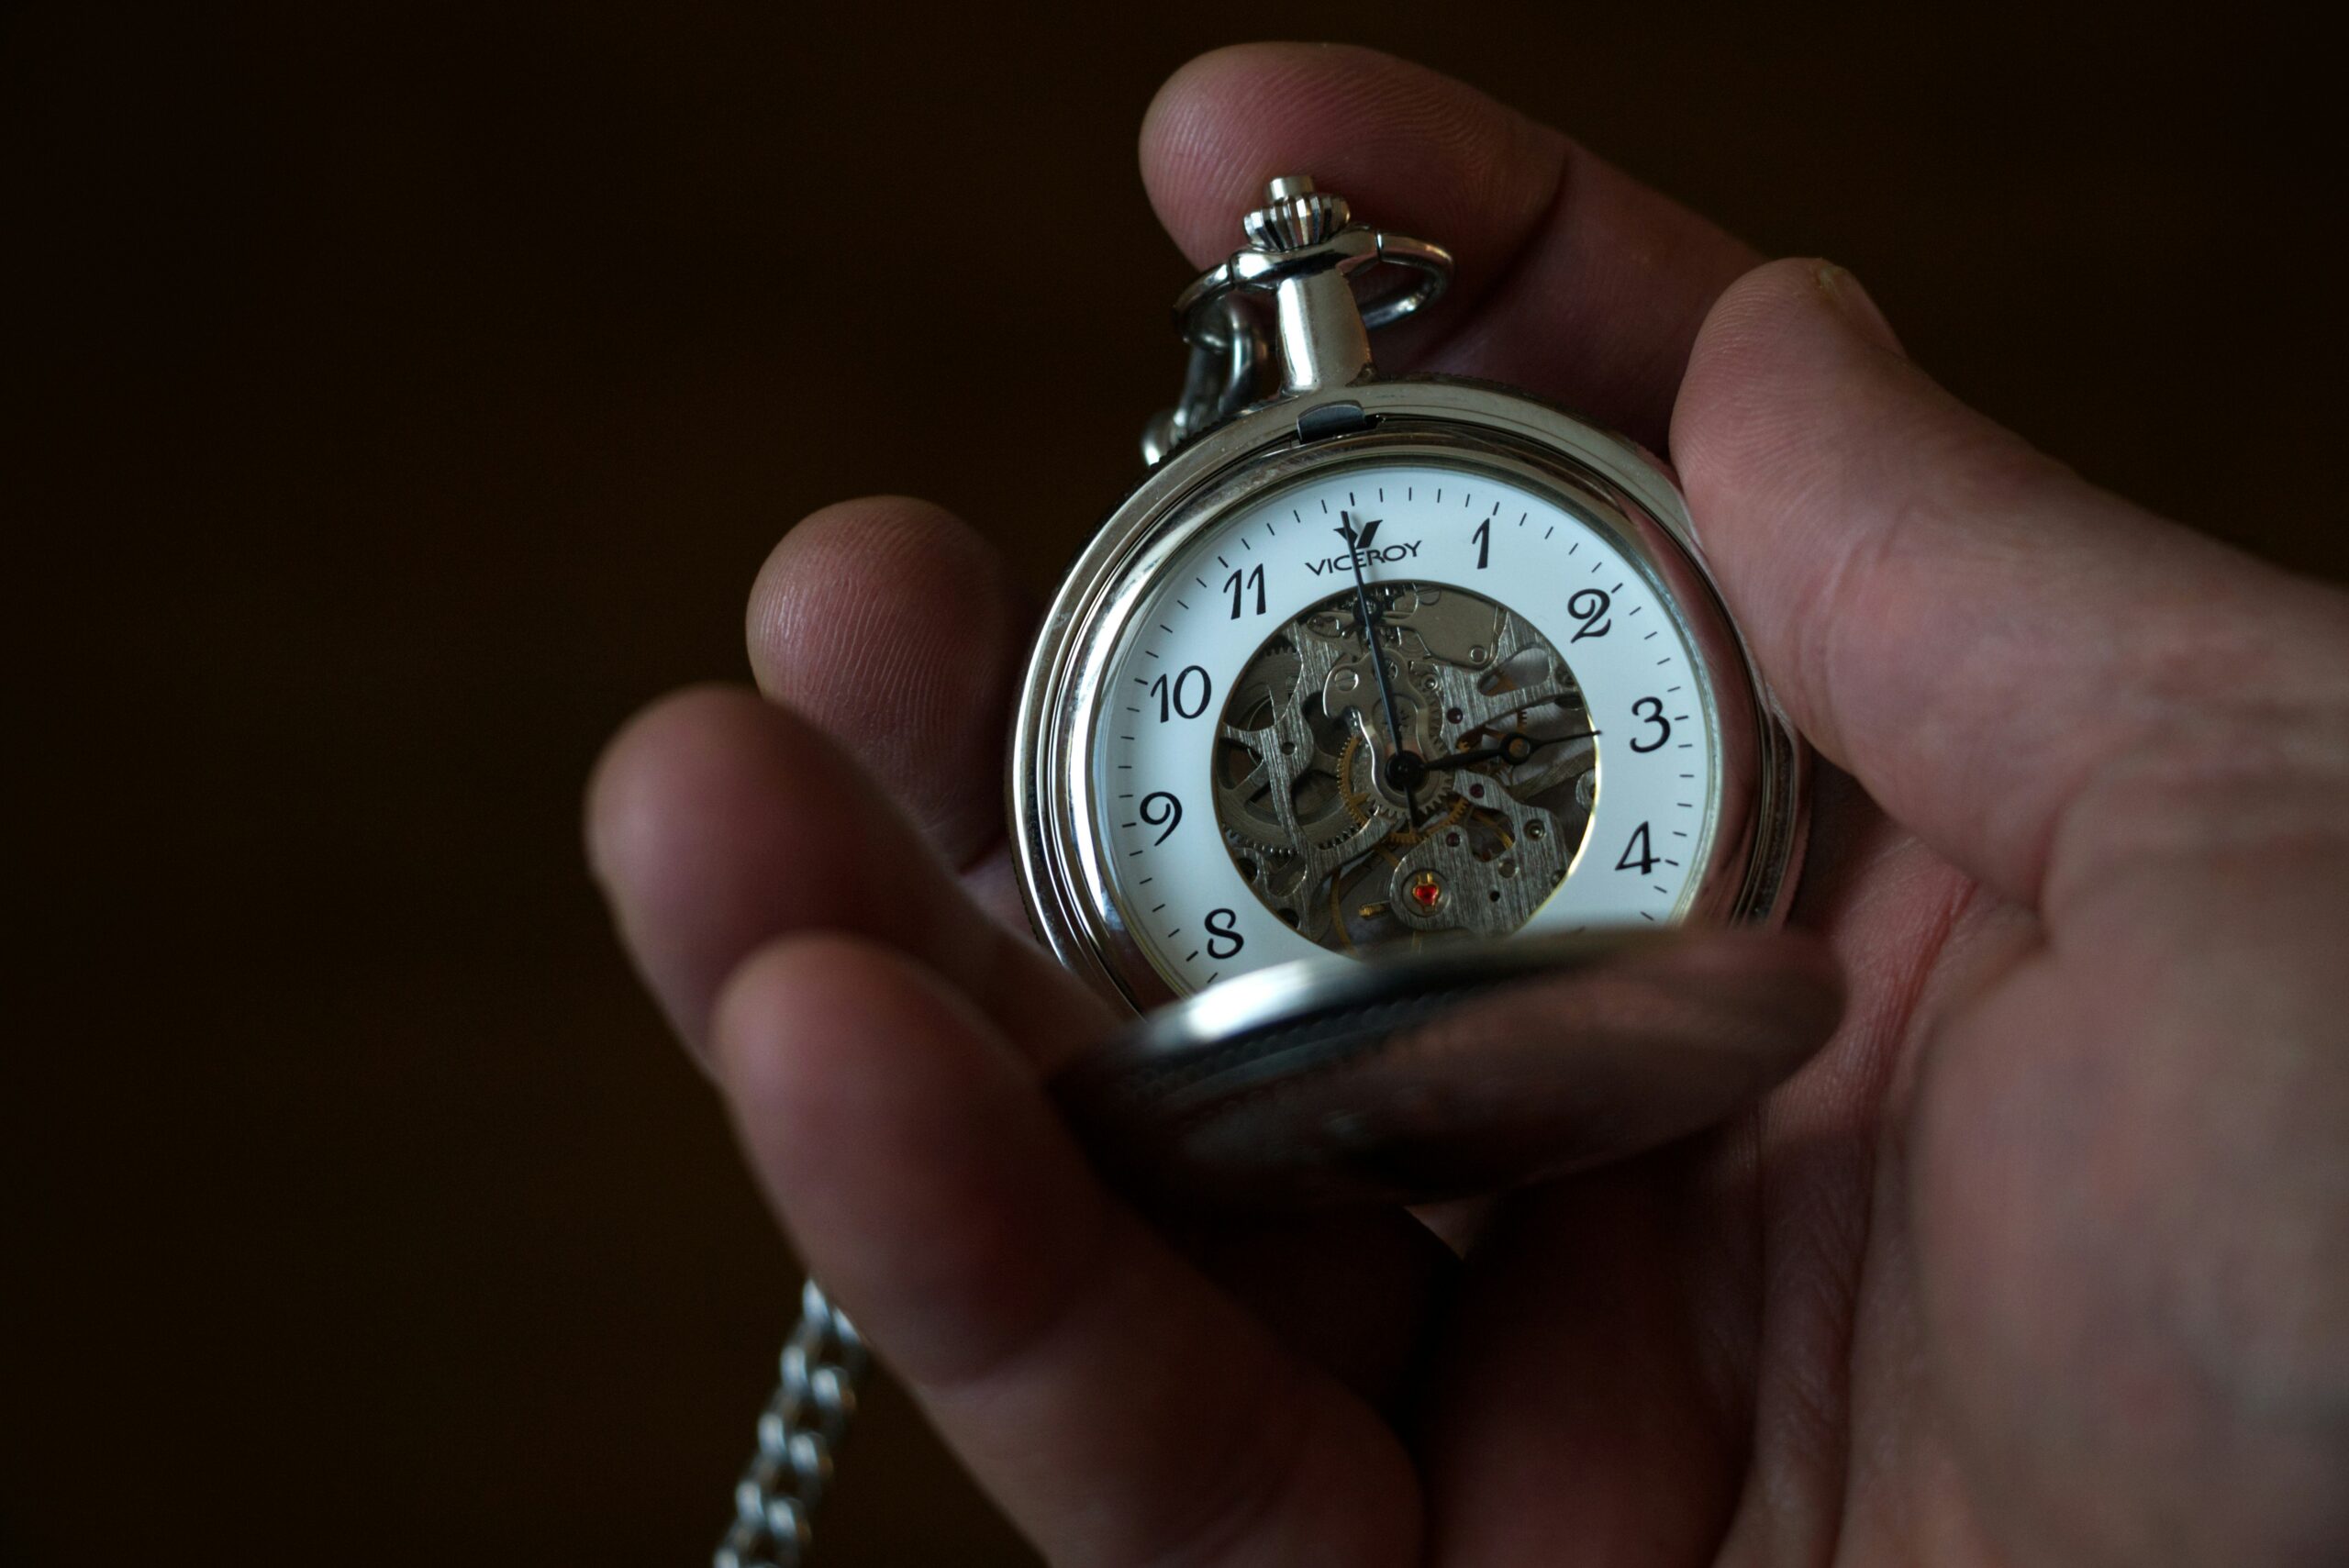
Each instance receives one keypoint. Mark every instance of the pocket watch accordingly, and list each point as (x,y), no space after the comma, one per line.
(1389,749)
(1367,664)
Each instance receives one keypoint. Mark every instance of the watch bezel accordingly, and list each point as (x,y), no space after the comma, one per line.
(1757,832)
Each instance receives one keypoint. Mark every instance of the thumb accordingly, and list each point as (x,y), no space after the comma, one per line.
(1974,632)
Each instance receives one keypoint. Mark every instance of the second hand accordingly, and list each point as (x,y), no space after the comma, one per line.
(1397,772)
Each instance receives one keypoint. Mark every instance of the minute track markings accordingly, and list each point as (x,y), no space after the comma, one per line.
(1198,635)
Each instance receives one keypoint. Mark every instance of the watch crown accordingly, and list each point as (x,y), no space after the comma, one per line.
(1294,215)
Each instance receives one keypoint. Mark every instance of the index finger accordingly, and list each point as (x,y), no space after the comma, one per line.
(1574,280)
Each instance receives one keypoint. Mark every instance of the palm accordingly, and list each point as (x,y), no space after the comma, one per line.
(1751,1295)
(2036,1263)
(1752,1292)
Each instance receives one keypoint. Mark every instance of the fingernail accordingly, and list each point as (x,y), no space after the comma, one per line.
(1852,302)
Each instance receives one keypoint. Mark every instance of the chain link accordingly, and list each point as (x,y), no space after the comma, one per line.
(800,1431)
(1230,358)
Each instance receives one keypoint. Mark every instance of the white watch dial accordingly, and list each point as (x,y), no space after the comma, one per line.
(1534,748)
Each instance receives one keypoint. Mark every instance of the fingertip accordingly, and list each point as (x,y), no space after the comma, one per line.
(1762,310)
(1801,290)
(720,822)
(1852,300)
(754,1024)
(847,544)
(859,577)
(1187,138)
(1781,324)
(672,799)
(906,1143)
(893,625)
(1411,149)
(817,1033)
(625,814)
(1794,390)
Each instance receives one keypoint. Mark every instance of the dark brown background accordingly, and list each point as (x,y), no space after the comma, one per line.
(397,396)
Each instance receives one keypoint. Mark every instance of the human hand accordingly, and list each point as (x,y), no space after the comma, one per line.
(2041,1261)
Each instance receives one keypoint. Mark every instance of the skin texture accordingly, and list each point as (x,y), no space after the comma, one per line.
(2041,1261)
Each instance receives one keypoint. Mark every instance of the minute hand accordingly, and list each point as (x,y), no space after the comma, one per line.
(1378,666)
